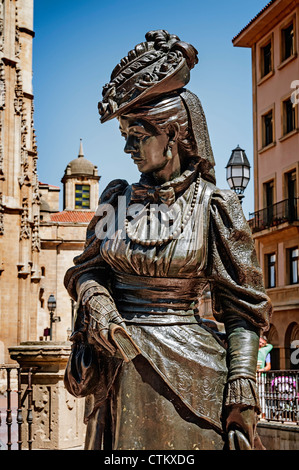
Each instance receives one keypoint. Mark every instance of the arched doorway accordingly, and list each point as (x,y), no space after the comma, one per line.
(291,343)
(273,339)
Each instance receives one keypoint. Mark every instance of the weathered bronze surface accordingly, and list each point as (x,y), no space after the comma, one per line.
(151,250)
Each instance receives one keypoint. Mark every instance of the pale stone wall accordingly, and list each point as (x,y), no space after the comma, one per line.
(57,415)
(19,196)
(60,244)
(277,436)
(50,194)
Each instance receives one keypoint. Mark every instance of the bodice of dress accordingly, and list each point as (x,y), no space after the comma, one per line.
(215,246)
(182,257)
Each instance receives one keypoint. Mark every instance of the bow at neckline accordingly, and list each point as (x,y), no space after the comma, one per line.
(146,191)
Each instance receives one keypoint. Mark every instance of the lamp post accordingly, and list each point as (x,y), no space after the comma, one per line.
(238,171)
(52,308)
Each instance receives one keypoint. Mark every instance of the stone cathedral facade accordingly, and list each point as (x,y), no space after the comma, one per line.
(37,240)
(19,190)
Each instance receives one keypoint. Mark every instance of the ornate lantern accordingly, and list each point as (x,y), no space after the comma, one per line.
(238,171)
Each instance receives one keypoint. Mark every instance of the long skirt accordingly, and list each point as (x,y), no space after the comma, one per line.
(143,412)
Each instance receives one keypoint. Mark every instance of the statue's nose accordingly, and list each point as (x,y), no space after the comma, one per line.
(131,145)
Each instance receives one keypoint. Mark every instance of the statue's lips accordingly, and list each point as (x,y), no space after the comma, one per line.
(137,159)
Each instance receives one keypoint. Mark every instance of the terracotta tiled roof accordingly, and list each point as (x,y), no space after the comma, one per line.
(50,185)
(253,19)
(72,216)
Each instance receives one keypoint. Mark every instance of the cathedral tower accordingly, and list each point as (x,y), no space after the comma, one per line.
(81,184)
(63,237)
(19,192)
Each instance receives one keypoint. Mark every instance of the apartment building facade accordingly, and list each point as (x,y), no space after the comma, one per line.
(273,36)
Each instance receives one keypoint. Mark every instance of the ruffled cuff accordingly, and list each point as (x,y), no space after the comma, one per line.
(95,290)
(87,286)
(242,392)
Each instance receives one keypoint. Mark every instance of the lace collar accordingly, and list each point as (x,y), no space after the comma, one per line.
(146,191)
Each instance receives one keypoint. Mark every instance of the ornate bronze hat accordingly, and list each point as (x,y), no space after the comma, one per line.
(160,65)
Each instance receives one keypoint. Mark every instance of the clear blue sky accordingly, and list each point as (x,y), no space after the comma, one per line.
(77,44)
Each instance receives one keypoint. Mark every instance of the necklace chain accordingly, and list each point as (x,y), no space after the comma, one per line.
(175,233)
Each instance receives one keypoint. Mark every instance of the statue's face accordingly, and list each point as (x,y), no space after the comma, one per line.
(146,145)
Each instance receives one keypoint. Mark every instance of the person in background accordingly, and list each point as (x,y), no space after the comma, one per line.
(264,358)
(263,365)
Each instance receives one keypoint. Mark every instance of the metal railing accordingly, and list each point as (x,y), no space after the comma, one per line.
(14,428)
(279,395)
(276,214)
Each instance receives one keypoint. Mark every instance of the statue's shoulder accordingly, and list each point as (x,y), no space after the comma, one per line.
(109,196)
(226,196)
(114,189)
(221,200)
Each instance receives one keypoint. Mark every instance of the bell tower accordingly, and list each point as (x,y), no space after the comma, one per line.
(80,184)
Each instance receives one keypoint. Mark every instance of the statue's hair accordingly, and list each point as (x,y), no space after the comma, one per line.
(162,113)
(165,111)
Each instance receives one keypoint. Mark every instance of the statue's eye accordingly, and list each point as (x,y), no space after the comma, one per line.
(138,134)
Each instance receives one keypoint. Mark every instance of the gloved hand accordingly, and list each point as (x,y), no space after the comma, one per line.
(240,426)
(241,401)
(102,312)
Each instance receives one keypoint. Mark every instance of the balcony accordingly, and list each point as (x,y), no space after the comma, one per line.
(274,215)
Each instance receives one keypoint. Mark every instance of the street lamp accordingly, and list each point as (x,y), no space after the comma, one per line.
(238,171)
(52,308)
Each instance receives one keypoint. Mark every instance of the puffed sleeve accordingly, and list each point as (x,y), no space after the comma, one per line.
(236,278)
(239,299)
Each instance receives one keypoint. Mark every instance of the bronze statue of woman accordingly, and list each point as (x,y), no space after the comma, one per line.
(152,248)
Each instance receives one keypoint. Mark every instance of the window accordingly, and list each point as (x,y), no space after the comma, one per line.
(266,59)
(269,201)
(294,259)
(291,182)
(292,194)
(269,193)
(287,42)
(82,196)
(267,123)
(289,117)
(41,297)
(271,270)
